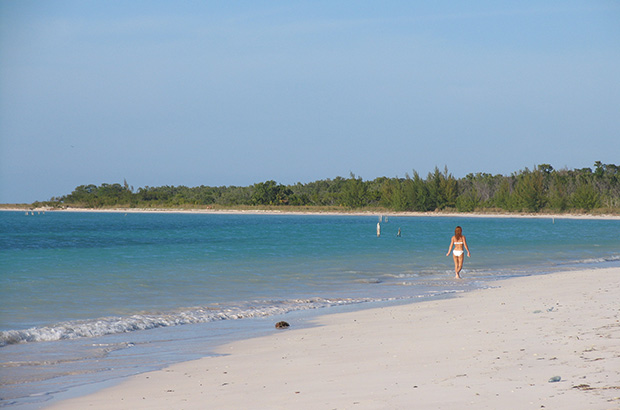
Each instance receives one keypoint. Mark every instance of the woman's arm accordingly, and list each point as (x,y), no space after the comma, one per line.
(450,248)
(465,245)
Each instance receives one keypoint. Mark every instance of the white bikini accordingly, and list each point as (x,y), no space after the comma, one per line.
(458,252)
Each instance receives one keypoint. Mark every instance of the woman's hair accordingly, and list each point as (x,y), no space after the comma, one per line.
(458,232)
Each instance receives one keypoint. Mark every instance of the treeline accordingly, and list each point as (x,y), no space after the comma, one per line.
(542,189)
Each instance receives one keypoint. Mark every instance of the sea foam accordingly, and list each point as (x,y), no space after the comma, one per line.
(112,325)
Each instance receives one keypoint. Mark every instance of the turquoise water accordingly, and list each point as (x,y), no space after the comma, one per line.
(82,293)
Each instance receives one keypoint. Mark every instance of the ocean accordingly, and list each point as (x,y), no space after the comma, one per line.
(87,298)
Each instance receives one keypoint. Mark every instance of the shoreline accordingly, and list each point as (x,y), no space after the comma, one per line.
(488,348)
(326,213)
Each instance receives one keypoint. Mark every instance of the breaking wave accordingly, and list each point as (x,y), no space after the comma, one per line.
(112,325)
(614,258)
(592,261)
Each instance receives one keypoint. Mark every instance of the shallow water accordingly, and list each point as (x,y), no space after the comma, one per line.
(88,297)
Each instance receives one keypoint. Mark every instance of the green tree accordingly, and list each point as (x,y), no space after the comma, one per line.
(585,197)
(265,193)
(448,190)
(533,191)
(403,195)
(468,201)
(418,192)
(442,189)
(387,191)
(270,193)
(557,197)
(502,197)
(354,192)
(528,193)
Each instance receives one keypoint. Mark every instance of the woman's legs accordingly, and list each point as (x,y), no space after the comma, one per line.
(458,265)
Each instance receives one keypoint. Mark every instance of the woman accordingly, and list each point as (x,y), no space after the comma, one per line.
(458,240)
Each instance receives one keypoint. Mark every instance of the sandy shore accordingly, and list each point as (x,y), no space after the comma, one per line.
(489,349)
(343,212)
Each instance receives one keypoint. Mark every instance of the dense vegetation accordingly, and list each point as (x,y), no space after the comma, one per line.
(543,189)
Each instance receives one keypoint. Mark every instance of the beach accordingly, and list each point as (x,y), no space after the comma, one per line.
(492,348)
(287,211)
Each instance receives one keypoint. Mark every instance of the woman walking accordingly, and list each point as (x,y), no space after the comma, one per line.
(459,242)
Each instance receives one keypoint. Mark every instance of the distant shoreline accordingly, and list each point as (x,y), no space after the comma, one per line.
(317,212)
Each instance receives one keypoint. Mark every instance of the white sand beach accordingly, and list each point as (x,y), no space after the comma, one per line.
(495,348)
(287,211)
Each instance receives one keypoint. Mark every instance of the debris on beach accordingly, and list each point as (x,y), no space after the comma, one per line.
(555,379)
(282,325)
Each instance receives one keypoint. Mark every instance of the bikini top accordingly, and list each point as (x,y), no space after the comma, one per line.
(458,243)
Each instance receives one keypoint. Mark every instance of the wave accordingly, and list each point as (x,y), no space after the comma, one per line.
(613,258)
(112,325)
(101,351)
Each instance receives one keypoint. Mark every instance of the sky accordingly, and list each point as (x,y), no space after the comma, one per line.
(222,93)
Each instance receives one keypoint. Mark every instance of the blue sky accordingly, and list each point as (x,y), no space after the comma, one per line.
(233,93)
